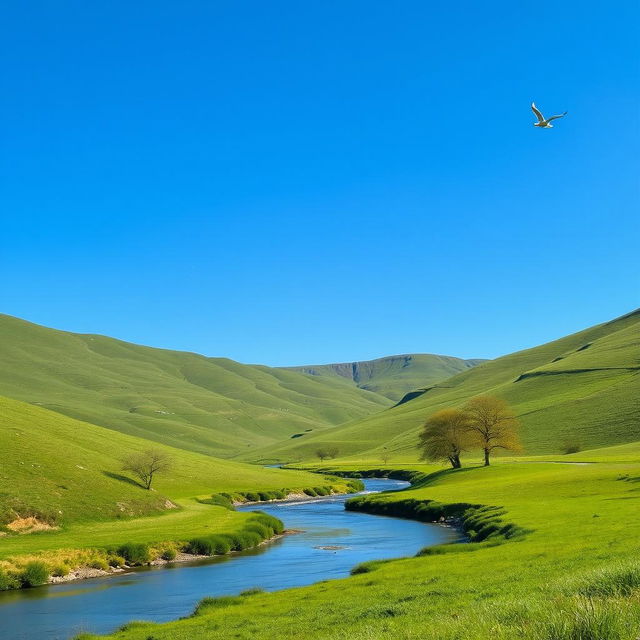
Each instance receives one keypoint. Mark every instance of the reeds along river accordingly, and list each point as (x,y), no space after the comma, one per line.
(331,543)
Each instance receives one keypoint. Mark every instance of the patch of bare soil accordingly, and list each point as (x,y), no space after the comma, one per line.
(29,525)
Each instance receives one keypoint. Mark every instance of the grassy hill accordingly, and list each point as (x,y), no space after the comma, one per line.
(393,376)
(56,464)
(210,405)
(67,474)
(583,389)
(555,557)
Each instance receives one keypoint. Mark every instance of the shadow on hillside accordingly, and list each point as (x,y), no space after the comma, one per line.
(119,476)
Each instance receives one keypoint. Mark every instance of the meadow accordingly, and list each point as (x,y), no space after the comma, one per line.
(552,537)
(570,572)
(65,476)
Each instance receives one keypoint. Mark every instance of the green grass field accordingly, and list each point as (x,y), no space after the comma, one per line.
(393,376)
(68,473)
(582,389)
(575,574)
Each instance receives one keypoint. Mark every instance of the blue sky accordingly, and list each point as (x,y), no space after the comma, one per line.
(292,183)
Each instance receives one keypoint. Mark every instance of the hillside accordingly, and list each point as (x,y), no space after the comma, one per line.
(393,376)
(210,405)
(583,389)
(70,471)
(64,498)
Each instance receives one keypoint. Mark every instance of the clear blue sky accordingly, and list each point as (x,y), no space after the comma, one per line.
(295,182)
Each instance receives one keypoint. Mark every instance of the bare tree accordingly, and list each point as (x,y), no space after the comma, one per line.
(384,456)
(333,452)
(322,454)
(492,424)
(147,464)
(444,436)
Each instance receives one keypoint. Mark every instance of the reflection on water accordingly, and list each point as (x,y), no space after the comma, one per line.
(330,543)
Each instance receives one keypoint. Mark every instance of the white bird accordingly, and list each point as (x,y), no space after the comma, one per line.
(544,123)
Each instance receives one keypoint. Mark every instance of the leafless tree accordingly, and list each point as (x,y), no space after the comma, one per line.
(492,424)
(147,464)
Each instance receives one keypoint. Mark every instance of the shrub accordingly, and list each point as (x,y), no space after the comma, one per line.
(261,529)
(571,447)
(209,545)
(60,571)
(115,560)
(99,563)
(310,492)
(251,591)
(8,581)
(199,547)
(270,521)
(249,539)
(135,553)
(169,554)
(361,568)
(221,500)
(252,497)
(34,574)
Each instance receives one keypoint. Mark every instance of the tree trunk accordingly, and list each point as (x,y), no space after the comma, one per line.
(455,461)
(486,457)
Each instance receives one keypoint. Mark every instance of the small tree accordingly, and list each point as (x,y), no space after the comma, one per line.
(333,452)
(145,465)
(385,457)
(570,446)
(444,436)
(322,454)
(492,424)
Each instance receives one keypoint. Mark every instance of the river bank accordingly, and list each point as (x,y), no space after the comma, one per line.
(85,573)
(330,542)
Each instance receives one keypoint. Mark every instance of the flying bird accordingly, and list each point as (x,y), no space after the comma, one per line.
(544,123)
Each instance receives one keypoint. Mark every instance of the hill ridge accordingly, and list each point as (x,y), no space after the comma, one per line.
(394,375)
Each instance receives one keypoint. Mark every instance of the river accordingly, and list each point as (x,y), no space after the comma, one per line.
(100,605)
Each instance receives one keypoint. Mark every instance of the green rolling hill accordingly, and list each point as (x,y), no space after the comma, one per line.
(61,482)
(210,405)
(70,471)
(393,376)
(582,389)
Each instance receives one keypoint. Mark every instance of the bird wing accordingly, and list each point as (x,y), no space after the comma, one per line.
(537,112)
(562,115)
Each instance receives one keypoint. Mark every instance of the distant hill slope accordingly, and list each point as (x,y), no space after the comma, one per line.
(210,405)
(583,389)
(56,466)
(393,376)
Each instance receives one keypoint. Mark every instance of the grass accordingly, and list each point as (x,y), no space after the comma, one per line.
(66,474)
(581,389)
(572,576)
(213,406)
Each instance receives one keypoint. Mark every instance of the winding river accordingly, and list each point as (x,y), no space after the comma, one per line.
(331,543)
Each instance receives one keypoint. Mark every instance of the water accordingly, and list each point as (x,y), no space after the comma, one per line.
(100,605)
